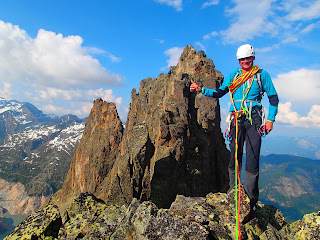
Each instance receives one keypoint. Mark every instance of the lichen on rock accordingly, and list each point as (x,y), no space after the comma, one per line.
(45,222)
(209,217)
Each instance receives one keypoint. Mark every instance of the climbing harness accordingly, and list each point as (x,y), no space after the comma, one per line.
(248,104)
(243,113)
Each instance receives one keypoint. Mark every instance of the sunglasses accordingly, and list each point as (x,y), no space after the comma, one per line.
(247,58)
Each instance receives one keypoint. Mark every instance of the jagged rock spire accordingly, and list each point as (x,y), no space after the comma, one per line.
(172,143)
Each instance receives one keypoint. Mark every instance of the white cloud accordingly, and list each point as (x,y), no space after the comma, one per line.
(177,4)
(298,11)
(210,35)
(49,60)
(277,45)
(80,100)
(299,85)
(52,109)
(310,27)
(76,95)
(55,73)
(94,50)
(106,95)
(287,40)
(290,39)
(6,90)
(174,55)
(249,19)
(113,58)
(86,107)
(201,46)
(267,49)
(252,19)
(161,41)
(288,116)
(50,93)
(210,3)
(306,144)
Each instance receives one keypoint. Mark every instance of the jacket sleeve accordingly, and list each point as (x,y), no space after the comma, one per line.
(221,91)
(272,95)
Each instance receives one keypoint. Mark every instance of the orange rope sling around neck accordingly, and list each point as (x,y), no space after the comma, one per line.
(235,84)
(241,79)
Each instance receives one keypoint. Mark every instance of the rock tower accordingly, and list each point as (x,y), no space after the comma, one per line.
(171,144)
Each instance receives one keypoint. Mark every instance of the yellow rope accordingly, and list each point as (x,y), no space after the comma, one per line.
(236,83)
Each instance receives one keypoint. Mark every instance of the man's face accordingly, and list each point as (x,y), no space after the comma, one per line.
(246,63)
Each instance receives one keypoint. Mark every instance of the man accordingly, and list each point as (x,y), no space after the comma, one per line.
(246,86)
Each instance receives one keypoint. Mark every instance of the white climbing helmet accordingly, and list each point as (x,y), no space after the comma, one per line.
(245,51)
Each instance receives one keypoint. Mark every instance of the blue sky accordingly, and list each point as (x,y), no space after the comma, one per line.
(61,55)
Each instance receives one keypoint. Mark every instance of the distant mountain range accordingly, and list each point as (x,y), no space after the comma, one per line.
(290,183)
(308,146)
(36,149)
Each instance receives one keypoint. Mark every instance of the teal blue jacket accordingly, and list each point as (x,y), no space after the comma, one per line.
(254,93)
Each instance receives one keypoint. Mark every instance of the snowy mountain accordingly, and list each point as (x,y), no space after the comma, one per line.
(36,149)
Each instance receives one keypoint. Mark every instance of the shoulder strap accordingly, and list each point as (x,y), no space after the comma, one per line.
(237,74)
(258,78)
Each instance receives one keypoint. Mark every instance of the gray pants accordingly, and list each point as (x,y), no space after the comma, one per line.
(248,134)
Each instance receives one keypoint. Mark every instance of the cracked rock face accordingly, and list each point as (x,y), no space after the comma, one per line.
(172,143)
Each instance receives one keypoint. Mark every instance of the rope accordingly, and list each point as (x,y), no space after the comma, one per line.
(237,175)
(235,84)
(237,178)
(238,81)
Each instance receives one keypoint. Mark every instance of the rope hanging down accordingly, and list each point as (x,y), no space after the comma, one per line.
(237,179)
(235,84)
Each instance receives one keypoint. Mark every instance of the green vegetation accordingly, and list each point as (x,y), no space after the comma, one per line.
(290,183)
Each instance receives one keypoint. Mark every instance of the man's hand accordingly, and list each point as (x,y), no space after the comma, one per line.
(194,87)
(269,126)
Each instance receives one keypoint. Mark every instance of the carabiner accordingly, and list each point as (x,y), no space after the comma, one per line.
(262,130)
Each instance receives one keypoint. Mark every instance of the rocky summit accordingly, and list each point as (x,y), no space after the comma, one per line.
(171,144)
(161,176)
(209,217)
